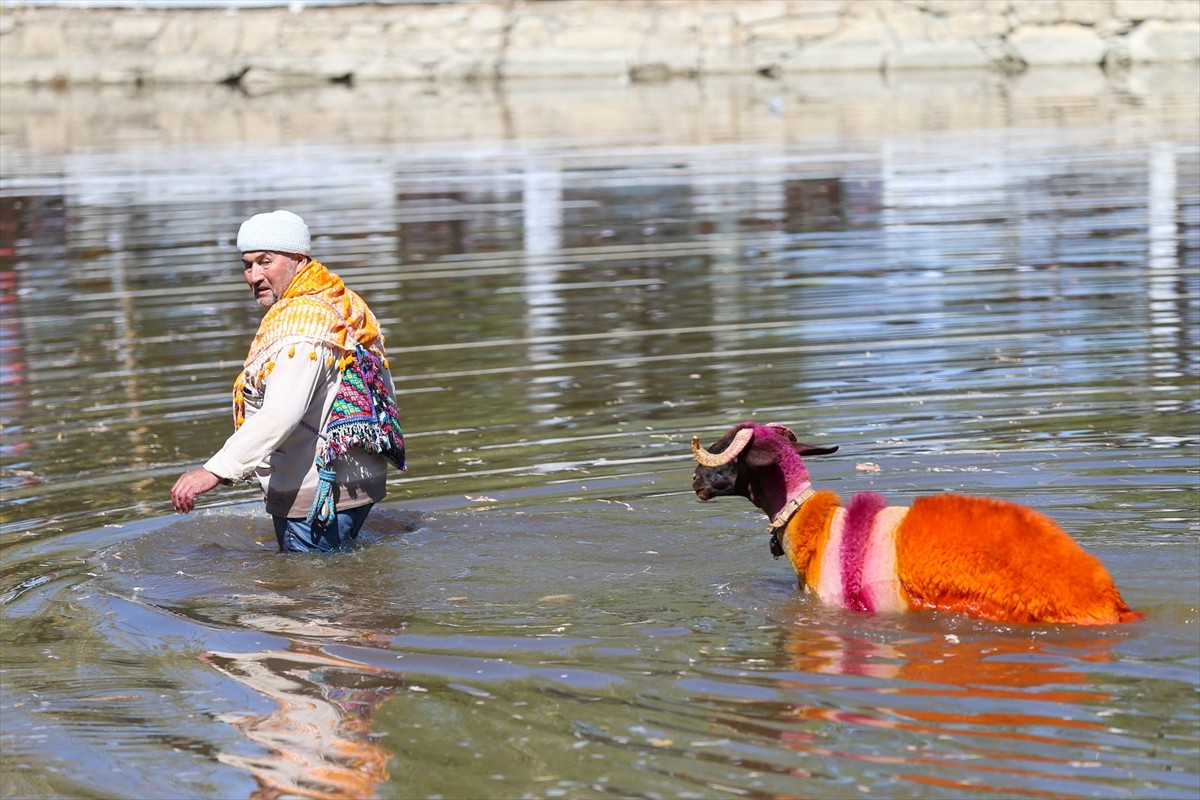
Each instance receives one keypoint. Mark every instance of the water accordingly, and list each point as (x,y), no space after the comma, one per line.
(969,284)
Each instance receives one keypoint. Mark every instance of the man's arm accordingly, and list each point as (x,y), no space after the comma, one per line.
(288,391)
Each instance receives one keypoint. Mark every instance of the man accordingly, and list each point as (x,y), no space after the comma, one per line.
(314,406)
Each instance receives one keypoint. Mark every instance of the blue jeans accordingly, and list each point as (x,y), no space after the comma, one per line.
(298,536)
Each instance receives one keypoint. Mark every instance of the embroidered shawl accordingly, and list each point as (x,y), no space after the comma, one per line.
(318,308)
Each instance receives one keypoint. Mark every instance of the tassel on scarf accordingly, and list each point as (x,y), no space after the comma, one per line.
(323,508)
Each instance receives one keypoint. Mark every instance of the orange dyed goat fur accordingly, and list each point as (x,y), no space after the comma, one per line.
(809,526)
(980,556)
(1002,561)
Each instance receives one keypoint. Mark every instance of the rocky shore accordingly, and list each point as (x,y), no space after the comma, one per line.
(632,40)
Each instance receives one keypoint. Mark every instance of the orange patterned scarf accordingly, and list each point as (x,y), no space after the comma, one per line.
(318,308)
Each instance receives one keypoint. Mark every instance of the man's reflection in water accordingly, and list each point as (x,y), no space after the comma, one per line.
(319,738)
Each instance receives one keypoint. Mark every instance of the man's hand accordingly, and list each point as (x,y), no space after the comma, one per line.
(190,484)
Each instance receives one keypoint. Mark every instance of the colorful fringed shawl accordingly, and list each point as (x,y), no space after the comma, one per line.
(363,415)
(318,308)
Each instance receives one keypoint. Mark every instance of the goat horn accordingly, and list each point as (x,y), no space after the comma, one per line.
(708,459)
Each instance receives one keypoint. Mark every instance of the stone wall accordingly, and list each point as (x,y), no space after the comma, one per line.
(637,40)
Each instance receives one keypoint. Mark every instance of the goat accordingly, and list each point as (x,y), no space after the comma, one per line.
(981,556)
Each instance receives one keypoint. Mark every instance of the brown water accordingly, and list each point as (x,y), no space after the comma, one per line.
(972,284)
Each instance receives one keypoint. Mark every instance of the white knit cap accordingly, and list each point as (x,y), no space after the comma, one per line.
(281,231)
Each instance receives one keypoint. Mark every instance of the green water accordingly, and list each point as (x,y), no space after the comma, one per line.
(979,285)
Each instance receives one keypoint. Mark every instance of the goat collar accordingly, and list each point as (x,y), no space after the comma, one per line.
(780,520)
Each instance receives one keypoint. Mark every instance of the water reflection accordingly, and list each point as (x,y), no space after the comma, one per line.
(1005,733)
(979,710)
(319,737)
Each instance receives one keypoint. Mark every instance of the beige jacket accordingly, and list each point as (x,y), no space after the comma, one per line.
(278,441)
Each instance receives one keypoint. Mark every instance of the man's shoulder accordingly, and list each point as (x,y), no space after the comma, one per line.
(303,315)
(308,304)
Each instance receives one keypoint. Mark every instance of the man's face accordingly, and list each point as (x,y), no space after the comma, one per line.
(268,274)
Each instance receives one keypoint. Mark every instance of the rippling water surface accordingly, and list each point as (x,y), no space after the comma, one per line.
(979,285)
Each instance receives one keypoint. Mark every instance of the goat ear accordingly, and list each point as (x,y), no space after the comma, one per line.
(760,456)
(814,449)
